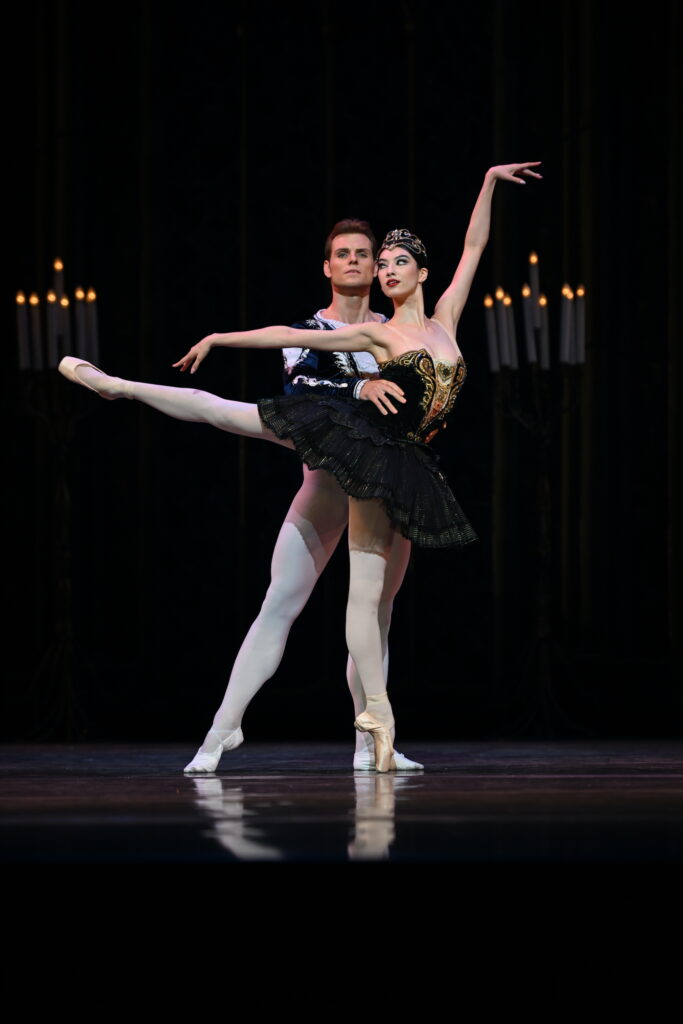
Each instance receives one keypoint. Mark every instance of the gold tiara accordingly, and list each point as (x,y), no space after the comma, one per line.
(409,241)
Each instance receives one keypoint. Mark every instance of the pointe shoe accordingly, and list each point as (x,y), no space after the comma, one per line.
(363,761)
(203,764)
(381,735)
(70,364)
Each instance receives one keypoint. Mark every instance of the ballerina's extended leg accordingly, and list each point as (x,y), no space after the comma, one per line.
(187,404)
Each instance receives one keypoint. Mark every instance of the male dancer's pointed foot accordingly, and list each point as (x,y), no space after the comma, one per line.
(381,735)
(205,762)
(364,761)
(82,372)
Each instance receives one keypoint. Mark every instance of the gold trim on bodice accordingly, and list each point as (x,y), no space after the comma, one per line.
(442,382)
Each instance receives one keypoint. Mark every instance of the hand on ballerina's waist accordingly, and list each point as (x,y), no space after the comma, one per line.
(380,392)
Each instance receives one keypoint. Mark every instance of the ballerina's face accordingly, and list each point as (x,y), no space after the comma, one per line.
(351,265)
(398,272)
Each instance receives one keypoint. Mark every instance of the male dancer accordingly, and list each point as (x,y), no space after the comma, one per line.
(319,513)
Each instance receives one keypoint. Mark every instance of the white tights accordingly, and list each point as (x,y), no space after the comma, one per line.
(309,535)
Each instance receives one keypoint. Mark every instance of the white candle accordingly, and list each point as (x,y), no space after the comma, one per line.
(529,338)
(22,333)
(581,325)
(501,325)
(535,287)
(545,333)
(489,316)
(564,325)
(58,280)
(65,325)
(92,325)
(52,329)
(512,333)
(82,348)
(571,329)
(36,328)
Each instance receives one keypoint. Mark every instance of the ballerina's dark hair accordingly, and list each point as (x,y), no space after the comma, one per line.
(406,240)
(350,226)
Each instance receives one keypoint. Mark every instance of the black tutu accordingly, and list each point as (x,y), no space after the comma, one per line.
(371,457)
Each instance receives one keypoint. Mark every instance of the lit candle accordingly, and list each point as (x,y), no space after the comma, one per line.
(581,325)
(535,287)
(512,333)
(564,325)
(92,326)
(82,348)
(36,329)
(529,339)
(65,325)
(571,328)
(501,325)
(52,329)
(22,332)
(58,286)
(545,333)
(490,317)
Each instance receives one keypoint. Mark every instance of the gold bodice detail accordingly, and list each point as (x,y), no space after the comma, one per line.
(440,381)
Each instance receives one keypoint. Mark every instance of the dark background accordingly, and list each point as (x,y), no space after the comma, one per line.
(187,161)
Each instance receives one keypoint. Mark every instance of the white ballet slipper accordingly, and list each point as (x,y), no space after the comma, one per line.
(364,761)
(70,364)
(203,764)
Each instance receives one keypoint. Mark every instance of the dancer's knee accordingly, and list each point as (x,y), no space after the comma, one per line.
(283,602)
(365,594)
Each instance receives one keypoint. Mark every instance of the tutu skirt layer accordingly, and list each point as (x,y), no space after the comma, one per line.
(369,461)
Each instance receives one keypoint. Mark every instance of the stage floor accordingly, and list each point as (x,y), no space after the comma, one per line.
(481,802)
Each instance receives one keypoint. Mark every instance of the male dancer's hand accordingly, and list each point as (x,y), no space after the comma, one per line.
(378,391)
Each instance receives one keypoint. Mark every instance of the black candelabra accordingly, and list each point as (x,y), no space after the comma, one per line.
(540,390)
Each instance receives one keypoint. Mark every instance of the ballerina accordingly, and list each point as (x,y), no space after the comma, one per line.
(382,462)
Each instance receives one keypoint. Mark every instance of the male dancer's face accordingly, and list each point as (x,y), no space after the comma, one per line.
(351,266)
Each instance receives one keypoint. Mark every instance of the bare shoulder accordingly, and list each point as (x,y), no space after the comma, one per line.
(441,321)
(442,328)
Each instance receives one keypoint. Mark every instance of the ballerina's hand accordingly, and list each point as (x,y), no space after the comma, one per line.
(195,356)
(512,172)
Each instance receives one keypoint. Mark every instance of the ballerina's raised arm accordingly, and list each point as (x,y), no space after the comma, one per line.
(451,304)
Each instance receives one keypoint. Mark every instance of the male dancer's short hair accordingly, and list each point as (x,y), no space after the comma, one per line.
(350,226)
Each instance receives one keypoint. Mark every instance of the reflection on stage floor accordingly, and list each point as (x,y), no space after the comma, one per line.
(481,802)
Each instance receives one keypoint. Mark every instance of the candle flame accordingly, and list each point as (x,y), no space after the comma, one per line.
(566,290)
(33,299)
(51,296)
(64,302)
(526,291)
(21,299)
(80,294)
(570,293)
(488,301)
(499,294)
(542,301)
(580,291)
(91,295)
(533,257)
(58,265)
(507,301)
